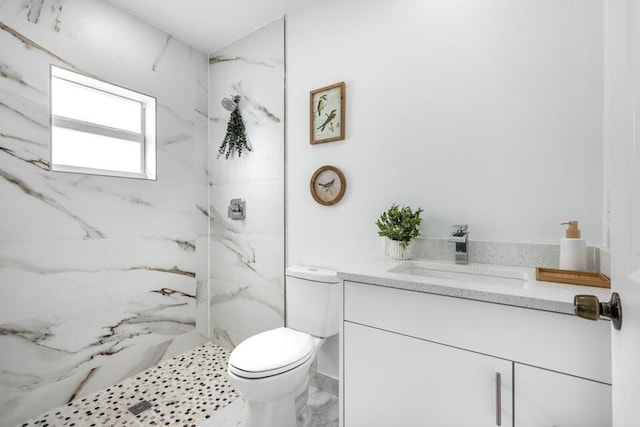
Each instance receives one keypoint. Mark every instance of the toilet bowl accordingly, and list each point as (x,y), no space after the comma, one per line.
(271,370)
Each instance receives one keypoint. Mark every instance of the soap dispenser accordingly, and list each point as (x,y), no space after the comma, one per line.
(573,249)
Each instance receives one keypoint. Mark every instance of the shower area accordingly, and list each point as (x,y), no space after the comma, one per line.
(247,256)
(103,278)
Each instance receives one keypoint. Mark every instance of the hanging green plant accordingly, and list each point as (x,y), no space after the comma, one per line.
(236,139)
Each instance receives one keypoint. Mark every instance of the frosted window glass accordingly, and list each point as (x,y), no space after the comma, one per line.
(87,150)
(83,103)
(101,128)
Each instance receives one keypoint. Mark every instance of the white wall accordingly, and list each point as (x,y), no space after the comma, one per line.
(487,113)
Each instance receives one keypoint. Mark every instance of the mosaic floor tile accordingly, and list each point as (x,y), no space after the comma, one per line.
(183,391)
(190,390)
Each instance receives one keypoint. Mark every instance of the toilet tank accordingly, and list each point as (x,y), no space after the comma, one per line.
(313,300)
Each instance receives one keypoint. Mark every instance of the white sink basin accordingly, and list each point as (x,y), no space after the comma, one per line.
(464,274)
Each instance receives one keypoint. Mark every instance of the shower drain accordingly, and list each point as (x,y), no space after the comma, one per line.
(139,408)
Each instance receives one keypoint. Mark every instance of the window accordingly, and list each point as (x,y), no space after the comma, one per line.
(99,128)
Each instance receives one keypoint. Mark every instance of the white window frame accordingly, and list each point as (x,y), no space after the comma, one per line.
(146,137)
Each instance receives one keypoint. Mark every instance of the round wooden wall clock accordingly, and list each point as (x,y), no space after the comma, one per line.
(327,185)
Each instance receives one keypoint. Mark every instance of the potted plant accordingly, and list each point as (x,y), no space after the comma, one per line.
(400,225)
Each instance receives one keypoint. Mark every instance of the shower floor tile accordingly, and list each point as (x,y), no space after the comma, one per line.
(183,391)
(190,390)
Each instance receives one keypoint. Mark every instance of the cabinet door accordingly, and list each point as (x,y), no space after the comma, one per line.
(396,380)
(550,399)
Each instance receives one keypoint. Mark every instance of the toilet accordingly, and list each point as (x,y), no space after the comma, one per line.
(271,370)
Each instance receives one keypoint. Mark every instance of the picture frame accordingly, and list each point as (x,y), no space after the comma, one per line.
(327,113)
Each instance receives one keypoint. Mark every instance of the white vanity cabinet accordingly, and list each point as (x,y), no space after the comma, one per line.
(545,398)
(419,359)
(395,380)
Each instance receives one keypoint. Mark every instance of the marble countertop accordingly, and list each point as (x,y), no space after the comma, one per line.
(525,291)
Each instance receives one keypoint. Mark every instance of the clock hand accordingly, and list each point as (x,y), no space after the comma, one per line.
(326,185)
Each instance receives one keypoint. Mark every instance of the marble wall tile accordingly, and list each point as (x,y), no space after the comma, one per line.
(247,257)
(28,49)
(253,68)
(202,287)
(58,209)
(69,307)
(265,204)
(48,278)
(29,403)
(246,295)
(100,277)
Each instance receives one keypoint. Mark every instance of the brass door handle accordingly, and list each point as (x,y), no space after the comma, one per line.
(589,307)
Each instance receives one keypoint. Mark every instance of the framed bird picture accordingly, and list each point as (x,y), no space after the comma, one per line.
(327,114)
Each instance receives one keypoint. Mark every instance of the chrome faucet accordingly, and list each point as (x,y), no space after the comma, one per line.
(460,238)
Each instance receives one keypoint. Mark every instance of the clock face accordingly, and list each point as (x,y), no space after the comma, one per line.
(328,185)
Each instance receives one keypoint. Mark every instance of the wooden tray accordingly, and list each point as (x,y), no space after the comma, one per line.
(573,277)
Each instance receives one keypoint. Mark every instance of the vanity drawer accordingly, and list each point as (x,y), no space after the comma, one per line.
(554,341)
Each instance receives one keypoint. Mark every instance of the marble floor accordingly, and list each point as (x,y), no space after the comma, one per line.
(190,390)
(324,410)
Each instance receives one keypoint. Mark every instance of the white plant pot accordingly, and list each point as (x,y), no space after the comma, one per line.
(398,252)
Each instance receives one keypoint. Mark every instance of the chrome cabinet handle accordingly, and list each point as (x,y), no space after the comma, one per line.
(498,399)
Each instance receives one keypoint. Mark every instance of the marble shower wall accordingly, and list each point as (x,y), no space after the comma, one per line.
(99,276)
(247,257)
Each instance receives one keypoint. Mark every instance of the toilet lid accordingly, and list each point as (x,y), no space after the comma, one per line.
(270,353)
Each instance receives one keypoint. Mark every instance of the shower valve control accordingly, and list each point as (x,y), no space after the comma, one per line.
(237,209)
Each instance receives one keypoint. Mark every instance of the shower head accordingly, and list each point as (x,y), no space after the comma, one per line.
(231,104)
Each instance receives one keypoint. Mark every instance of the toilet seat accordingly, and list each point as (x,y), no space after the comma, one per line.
(271,353)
